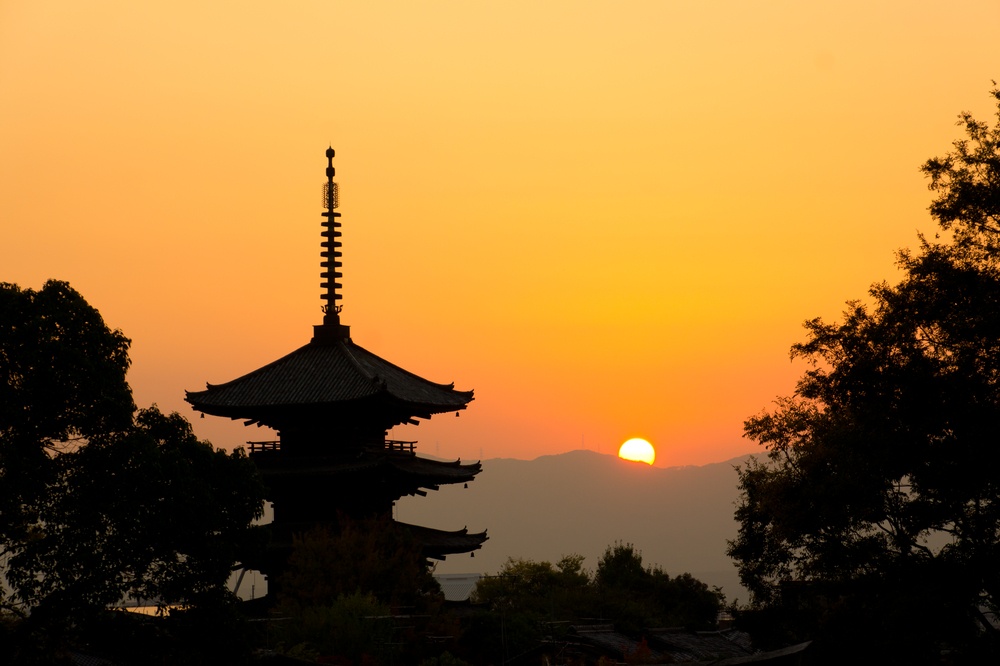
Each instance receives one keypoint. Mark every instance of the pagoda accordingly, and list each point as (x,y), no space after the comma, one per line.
(332,403)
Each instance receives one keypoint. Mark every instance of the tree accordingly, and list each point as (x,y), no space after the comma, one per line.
(62,380)
(637,596)
(876,515)
(150,514)
(343,584)
(525,602)
(530,603)
(622,589)
(620,568)
(99,501)
(539,588)
(370,555)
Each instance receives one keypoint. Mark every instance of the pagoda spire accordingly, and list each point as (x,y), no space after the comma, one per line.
(331,328)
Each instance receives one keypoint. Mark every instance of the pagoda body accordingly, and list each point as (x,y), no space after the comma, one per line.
(333,403)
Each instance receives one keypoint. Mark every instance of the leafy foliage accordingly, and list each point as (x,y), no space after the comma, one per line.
(62,380)
(149,514)
(98,501)
(63,370)
(637,596)
(353,626)
(529,594)
(877,512)
(519,603)
(370,555)
(538,588)
(343,584)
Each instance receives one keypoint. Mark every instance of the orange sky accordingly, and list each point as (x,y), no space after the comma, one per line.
(609,219)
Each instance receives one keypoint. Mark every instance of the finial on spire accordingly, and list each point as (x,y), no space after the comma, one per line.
(331,327)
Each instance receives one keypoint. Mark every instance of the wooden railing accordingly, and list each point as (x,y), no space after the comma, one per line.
(260,447)
(390,445)
(399,445)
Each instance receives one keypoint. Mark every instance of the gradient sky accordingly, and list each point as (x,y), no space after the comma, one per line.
(610,219)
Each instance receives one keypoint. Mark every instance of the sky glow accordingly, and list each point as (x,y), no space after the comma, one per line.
(603,217)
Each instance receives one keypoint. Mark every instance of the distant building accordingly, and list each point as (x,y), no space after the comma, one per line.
(587,644)
(332,403)
(458,587)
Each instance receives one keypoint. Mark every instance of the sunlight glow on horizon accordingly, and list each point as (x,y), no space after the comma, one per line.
(594,215)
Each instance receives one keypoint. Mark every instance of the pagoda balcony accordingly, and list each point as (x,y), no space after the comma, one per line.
(399,446)
(390,461)
(390,445)
(263,447)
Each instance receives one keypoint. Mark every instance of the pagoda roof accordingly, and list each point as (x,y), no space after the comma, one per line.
(425,472)
(435,543)
(325,373)
(439,543)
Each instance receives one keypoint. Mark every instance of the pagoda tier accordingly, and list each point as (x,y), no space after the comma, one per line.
(326,386)
(435,544)
(397,460)
(358,485)
(306,491)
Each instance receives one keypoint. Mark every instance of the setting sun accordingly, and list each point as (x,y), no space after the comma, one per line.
(628,283)
(639,450)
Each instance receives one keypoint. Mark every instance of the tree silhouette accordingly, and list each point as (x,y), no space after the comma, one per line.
(875,518)
(637,596)
(100,502)
(62,380)
(343,584)
(531,595)
(368,555)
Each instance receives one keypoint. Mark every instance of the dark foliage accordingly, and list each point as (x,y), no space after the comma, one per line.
(373,555)
(635,596)
(874,523)
(528,601)
(100,502)
(62,380)
(343,586)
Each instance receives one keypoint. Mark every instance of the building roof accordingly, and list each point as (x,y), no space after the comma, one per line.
(685,646)
(325,373)
(701,648)
(606,639)
(438,543)
(410,470)
(458,587)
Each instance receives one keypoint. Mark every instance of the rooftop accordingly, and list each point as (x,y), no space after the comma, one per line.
(323,373)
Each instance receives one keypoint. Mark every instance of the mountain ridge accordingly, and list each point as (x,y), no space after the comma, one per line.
(582,502)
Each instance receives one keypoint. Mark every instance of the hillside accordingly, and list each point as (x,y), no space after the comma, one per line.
(582,501)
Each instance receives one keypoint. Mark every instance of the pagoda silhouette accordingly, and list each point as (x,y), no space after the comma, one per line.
(332,404)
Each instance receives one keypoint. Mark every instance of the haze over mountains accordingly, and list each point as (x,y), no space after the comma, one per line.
(581,502)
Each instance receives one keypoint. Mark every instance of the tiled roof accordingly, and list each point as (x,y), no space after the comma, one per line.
(436,471)
(677,645)
(325,373)
(729,647)
(686,646)
(438,543)
(605,638)
(428,472)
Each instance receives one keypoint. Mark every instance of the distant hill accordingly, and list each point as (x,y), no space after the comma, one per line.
(581,502)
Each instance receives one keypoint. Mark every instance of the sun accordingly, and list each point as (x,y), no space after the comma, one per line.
(639,450)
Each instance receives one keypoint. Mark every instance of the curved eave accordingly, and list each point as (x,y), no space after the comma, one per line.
(435,471)
(439,543)
(327,376)
(422,471)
